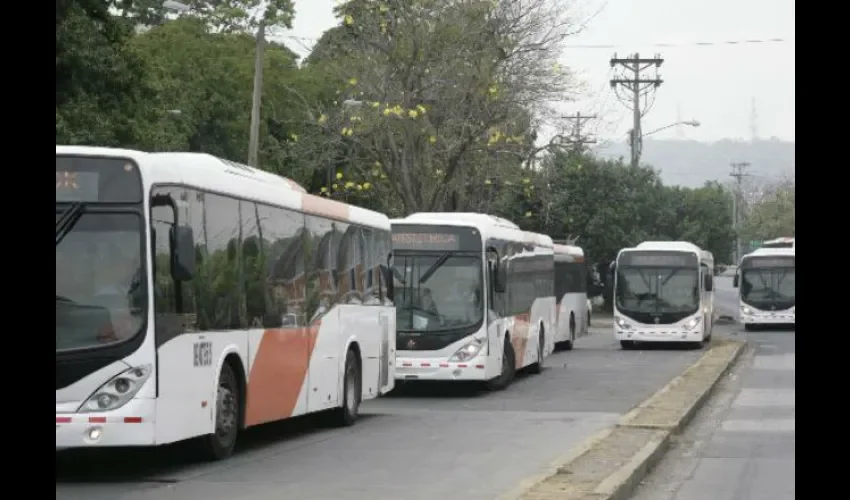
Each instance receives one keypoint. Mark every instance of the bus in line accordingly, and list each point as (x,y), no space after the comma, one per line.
(474,298)
(663,292)
(196,297)
(572,318)
(766,281)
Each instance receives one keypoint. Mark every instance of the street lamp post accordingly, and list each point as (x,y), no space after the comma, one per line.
(637,142)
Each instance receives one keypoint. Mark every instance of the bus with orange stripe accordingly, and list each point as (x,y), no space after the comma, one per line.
(197,297)
(572,319)
(474,298)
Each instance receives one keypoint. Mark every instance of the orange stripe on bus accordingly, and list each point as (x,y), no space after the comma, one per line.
(519,336)
(278,373)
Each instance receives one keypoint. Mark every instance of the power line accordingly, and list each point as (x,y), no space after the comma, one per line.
(638,87)
(682,44)
(576,138)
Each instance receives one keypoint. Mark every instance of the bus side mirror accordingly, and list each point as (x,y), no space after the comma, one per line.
(182,253)
(388,275)
(709,283)
(735,281)
(499,278)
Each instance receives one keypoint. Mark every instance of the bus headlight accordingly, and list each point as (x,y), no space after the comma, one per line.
(692,323)
(621,323)
(115,393)
(746,310)
(468,351)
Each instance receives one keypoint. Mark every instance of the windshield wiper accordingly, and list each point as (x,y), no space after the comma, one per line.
(431,270)
(68,220)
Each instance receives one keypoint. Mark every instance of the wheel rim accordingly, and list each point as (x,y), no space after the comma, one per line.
(225,421)
(351,392)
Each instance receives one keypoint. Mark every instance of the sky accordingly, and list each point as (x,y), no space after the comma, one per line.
(731,89)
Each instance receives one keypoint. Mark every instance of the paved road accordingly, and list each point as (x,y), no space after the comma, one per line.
(425,443)
(725,297)
(741,445)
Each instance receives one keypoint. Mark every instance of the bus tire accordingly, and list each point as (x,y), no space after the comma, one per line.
(568,344)
(537,367)
(352,394)
(228,407)
(508,369)
(628,345)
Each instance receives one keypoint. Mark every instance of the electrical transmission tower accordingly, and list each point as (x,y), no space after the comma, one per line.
(754,121)
(637,88)
(738,173)
(577,139)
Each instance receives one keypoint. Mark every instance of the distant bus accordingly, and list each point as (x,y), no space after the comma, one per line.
(663,292)
(766,280)
(474,298)
(784,242)
(572,319)
(196,297)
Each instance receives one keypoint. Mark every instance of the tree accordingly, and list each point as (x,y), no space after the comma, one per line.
(221,16)
(773,215)
(99,82)
(441,83)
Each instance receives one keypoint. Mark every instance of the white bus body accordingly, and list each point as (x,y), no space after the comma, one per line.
(572,319)
(474,298)
(766,279)
(663,292)
(197,297)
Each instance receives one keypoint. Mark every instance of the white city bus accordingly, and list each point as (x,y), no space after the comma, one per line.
(767,293)
(663,292)
(572,319)
(196,297)
(474,298)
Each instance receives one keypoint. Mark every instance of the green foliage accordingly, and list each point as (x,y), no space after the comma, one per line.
(773,216)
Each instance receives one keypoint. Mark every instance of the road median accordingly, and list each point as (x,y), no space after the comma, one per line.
(610,464)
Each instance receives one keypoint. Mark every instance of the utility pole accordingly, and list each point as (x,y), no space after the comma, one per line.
(636,87)
(576,139)
(738,173)
(257,97)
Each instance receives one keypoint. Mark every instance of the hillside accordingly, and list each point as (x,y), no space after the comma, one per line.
(691,163)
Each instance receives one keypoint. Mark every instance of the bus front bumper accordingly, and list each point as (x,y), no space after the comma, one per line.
(409,368)
(131,425)
(753,317)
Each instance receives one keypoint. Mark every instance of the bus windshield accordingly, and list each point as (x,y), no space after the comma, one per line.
(438,292)
(765,288)
(658,289)
(100,286)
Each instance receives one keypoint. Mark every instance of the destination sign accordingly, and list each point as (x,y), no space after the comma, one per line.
(435,238)
(97,179)
(768,262)
(658,259)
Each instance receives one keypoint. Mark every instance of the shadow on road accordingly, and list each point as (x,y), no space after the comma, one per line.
(459,390)
(155,465)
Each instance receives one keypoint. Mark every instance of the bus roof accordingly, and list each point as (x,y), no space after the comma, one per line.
(490,226)
(783,242)
(770,252)
(204,171)
(569,253)
(673,246)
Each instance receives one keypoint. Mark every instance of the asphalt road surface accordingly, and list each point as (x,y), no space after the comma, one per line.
(725,297)
(424,442)
(741,445)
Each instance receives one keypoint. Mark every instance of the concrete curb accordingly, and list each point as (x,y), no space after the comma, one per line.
(611,464)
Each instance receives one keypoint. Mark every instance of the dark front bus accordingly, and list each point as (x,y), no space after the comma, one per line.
(657,287)
(101,302)
(768,283)
(439,284)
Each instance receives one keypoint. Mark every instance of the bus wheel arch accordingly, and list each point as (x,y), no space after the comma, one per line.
(235,362)
(231,373)
(508,371)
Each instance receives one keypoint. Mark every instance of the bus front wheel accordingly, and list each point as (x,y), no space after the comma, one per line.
(352,394)
(220,444)
(568,345)
(628,345)
(504,379)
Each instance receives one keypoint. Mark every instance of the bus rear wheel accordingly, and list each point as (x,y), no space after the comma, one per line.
(352,394)
(220,444)
(508,369)
(537,367)
(568,345)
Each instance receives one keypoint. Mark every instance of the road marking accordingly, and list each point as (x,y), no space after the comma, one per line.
(778,362)
(766,397)
(762,425)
